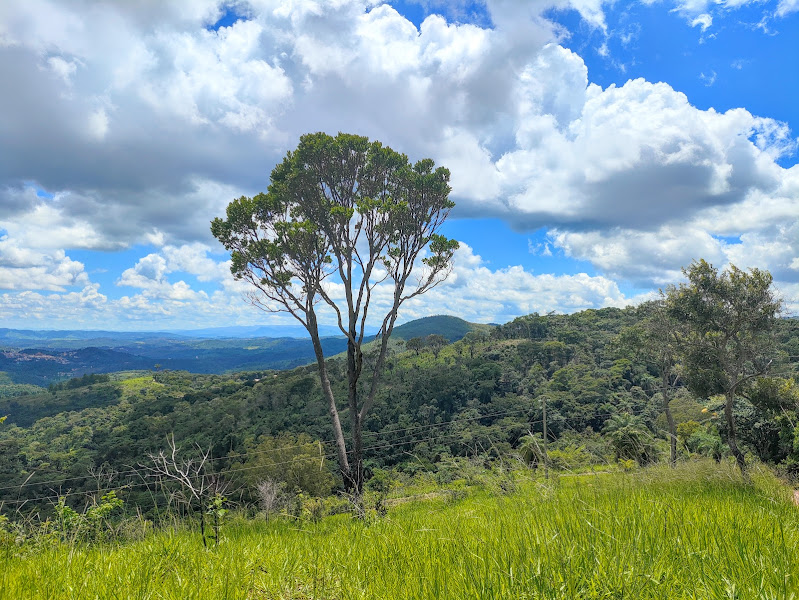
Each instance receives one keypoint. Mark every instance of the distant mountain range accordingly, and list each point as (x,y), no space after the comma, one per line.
(45,357)
(81,338)
(277,331)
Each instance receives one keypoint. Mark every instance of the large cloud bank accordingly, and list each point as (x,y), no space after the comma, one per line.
(136,123)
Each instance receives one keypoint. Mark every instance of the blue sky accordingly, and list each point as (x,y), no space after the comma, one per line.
(595,148)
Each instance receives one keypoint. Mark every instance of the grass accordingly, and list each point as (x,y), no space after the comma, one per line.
(698,532)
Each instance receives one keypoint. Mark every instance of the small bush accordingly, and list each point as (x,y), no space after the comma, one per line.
(93,524)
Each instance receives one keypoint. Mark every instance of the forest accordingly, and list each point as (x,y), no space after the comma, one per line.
(479,400)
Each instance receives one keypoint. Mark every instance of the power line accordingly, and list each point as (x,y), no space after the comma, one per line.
(238,470)
(329,455)
(245,455)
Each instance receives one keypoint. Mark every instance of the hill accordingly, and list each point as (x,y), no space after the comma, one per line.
(477,398)
(75,339)
(452,328)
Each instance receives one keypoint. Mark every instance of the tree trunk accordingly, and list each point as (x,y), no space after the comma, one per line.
(327,390)
(354,367)
(356,467)
(202,525)
(732,440)
(670,418)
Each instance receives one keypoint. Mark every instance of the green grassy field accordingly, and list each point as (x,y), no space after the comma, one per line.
(698,532)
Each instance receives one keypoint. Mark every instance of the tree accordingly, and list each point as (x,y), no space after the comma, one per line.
(342,216)
(435,342)
(198,488)
(656,339)
(531,450)
(731,318)
(473,339)
(630,438)
(415,344)
(297,461)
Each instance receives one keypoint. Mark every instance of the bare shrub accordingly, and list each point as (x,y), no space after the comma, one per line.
(271,496)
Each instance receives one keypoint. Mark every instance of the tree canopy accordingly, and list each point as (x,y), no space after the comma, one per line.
(731,318)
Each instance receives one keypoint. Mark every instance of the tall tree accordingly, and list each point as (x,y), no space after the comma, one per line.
(656,339)
(342,217)
(731,317)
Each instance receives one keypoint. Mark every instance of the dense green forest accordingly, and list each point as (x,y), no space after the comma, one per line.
(479,398)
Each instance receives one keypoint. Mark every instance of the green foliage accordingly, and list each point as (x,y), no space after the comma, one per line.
(415,343)
(706,441)
(297,461)
(347,207)
(26,410)
(9,389)
(630,439)
(430,412)
(570,457)
(322,191)
(686,430)
(730,320)
(531,449)
(216,510)
(78,382)
(684,408)
(435,342)
(92,524)
(774,394)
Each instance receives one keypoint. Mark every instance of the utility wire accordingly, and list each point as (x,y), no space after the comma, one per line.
(238,470)
(293,447)
(329,455)
(244,455)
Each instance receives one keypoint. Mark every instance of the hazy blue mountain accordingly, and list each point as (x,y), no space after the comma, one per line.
(275,331)
(55,338)
(45,357)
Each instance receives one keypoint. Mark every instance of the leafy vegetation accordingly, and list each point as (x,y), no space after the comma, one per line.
(730,319)
(38,359)
(107,479)
(478,399)
(9,389)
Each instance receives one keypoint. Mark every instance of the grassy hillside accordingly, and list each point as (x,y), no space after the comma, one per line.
(700,532)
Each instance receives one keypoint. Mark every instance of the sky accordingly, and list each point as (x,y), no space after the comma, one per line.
(595,148)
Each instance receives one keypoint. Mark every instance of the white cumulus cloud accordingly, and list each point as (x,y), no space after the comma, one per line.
(143,124)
